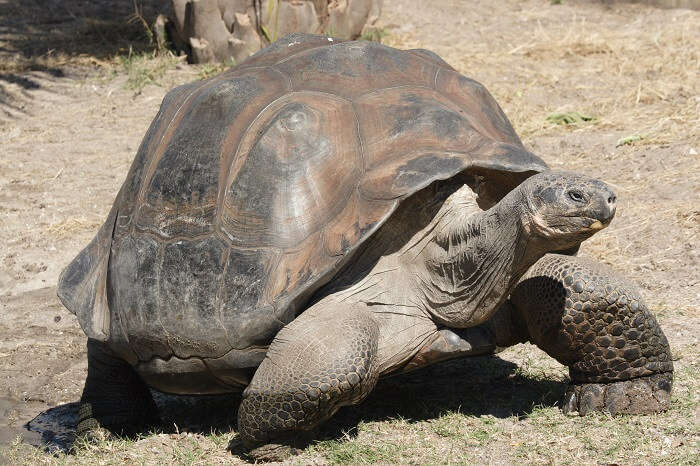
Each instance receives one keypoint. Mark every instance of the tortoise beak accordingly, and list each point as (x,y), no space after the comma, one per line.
(605,206)
(609,208)
(597,225)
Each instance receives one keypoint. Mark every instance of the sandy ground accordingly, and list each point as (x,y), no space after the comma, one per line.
(68,133)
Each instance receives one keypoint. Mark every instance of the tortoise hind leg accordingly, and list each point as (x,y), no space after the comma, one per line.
(594,321)
(114,397)
(326,358)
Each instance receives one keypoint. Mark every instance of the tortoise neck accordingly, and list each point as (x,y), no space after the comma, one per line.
(473,262)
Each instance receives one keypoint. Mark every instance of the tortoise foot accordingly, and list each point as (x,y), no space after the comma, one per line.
(115,398)
(90,431)
(279,448)
(642,395)
(101,427)
(272,452)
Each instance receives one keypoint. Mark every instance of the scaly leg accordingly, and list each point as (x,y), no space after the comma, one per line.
(593,320)
(114,397)
(326,358)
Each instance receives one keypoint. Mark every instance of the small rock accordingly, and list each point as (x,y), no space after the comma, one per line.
(14,133)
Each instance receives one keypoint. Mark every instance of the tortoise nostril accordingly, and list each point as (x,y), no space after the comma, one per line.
(612,199)
(610,211)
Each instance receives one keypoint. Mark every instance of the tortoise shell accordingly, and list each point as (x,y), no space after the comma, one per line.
(251,189)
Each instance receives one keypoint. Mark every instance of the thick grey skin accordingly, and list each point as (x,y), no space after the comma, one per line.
(455,272)
(594,321)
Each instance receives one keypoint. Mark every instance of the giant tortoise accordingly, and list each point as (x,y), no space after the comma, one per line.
(326,213)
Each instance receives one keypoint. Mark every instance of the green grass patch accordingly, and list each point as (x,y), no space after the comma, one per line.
(207,70)
(346,452)
(374,34)
(569,118)
(630,140)
(145,68)
(448,425)
(485,433)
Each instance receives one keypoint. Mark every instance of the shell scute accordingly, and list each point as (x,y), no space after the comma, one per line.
(351,69)
(134,276)
(129,193)
(182,187)
(287,46)
(477,105)
(398,121)
(296,274)
(191,277)
(296,166)
(432,57)
(359,217)
(247,316)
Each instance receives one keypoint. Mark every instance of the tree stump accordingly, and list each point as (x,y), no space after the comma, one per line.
(224,30)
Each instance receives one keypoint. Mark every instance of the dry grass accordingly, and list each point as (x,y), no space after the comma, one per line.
(70,226)
(207,70)
(640,71)
(145,68)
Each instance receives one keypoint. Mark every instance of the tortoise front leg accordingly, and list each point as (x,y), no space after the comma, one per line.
(326,358)
(114,397)
(594,321)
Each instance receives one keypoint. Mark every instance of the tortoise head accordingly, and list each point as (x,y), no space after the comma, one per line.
(566,208)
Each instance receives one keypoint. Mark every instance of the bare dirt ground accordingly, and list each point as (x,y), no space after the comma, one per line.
(72,114)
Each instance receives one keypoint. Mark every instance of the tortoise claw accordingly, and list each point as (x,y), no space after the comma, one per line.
(642,395)
(280,448)
(569,403)
(272,452)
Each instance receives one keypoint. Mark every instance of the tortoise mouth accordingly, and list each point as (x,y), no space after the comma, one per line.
(581,227)
(597,224)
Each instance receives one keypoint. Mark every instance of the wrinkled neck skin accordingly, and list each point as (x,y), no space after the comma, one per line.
(467,265)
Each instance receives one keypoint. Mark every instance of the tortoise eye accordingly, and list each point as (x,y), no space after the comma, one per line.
(576,196)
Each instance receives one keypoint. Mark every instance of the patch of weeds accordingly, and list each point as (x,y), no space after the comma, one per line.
(373,34)
(629,140)
(685,395)
(355,451)
(546,415)
(482,430)
(557,2)
(272,8)
(448,425)
(189,450)
(481,436)
(627,438)
(207,70)
(137,17)
(145,68)
(221,439)
(677,430)
(522,449)
(19,452)
(569,118)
